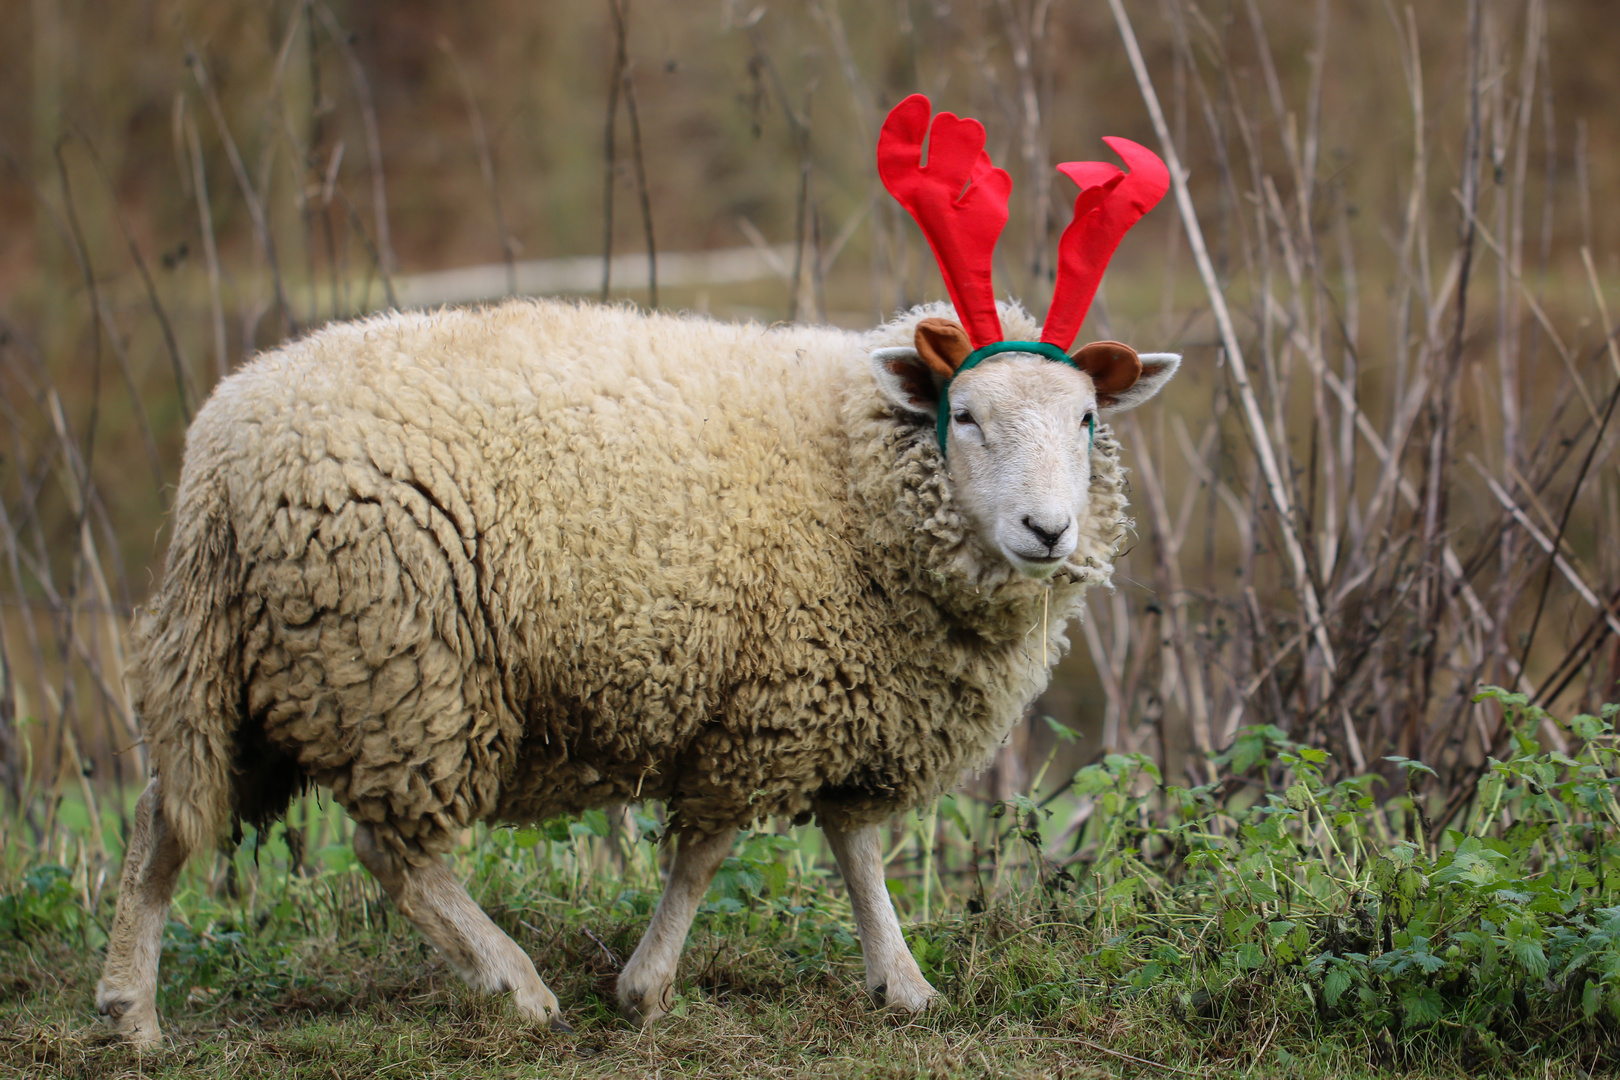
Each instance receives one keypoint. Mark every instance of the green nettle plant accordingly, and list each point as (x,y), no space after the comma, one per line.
(1504,933)
(45,901)
(1513,916)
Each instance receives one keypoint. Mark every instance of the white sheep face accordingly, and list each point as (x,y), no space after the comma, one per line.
(1017,444)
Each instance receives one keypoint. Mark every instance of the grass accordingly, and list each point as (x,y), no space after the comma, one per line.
(1268,923)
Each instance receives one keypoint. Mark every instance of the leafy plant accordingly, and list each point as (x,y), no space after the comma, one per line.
(44,901)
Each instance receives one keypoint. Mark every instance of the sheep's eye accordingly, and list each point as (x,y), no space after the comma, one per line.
(962,416)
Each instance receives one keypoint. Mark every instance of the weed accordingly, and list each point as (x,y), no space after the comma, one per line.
(44,902)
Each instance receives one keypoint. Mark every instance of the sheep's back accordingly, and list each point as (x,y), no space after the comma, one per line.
(514,559)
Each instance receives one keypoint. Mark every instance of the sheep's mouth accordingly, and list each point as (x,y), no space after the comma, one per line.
(1032,566)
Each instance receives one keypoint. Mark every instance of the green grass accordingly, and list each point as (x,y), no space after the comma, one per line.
(1267,924)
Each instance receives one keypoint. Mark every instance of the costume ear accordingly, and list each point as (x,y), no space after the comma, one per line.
(908,381)
(1113,367)
(1156,371)
(943,345)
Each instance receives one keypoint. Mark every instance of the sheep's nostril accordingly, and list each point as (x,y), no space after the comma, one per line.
(1047,536)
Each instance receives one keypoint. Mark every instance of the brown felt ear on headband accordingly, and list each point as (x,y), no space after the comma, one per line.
(943,345)
(1113,367)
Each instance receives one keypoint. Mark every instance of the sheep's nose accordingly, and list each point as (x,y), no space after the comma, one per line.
(1047,535)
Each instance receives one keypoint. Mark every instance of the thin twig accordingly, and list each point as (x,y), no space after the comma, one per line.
(612,958)
(244,183)
(486,165)
(387,264)
(1563,524)
(1582,589)
(621,19)
(205,223)
(182,377)
(610,146)
(1099,1048)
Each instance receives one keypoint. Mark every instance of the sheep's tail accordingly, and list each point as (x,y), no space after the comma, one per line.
(185,669)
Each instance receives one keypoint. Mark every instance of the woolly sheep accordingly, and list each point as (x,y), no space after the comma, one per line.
(516,562)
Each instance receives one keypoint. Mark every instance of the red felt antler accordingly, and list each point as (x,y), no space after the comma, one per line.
(1109,203)
(959,199)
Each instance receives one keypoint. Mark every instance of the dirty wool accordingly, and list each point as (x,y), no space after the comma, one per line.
(535,558)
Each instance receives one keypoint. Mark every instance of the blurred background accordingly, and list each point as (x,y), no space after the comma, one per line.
(1384,477)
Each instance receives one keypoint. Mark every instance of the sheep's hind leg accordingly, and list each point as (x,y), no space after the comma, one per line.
(438,905)
(127,993)
(892,975)
(647,983)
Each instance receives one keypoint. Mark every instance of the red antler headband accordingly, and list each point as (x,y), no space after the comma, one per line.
(1109,203)
(959,200)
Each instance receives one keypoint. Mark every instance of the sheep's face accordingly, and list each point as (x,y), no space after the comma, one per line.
(1018,443)
(1019,457)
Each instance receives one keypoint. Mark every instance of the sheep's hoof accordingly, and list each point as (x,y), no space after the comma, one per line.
(643,1007)
(539,1005)
(134,1023)
(903,994)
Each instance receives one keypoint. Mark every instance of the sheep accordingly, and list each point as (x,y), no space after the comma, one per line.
(515,562)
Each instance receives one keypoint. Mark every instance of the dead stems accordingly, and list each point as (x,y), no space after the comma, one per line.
(486,166)
(249,192)
(806,291)
(385,261)
(1386,474)
(624,79)
(1403,599)
(1233,352)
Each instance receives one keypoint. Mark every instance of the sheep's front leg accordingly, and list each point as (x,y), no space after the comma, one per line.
(437,903)
(127,993)
(892,975)
(647,983)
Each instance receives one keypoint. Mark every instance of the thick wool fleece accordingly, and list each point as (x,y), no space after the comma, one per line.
(525,560)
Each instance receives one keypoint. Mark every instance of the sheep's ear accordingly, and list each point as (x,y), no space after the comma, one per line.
(907,381)
(1156,371)
(1114,368)
(943,345)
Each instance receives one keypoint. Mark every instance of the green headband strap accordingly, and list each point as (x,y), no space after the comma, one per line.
(1038,348)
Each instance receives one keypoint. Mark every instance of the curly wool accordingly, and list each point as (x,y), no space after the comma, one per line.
(526,560)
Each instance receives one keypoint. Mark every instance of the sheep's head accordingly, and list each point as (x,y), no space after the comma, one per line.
(1017,430)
